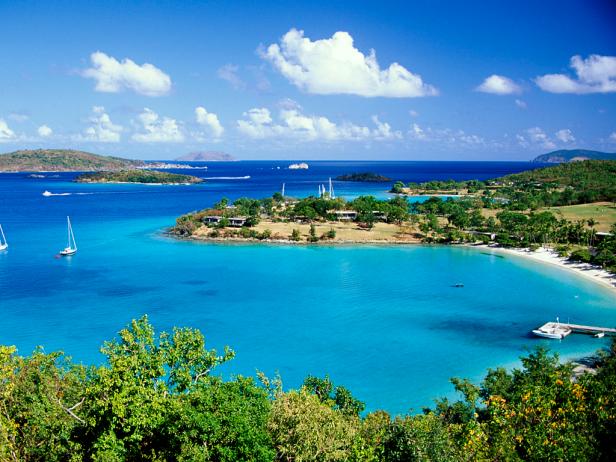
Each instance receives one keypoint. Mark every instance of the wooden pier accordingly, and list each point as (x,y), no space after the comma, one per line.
(563,329)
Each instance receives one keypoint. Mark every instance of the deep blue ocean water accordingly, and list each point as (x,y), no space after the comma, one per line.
(383,321)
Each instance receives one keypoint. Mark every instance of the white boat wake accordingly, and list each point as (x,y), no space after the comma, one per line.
(49,194)
(247,177)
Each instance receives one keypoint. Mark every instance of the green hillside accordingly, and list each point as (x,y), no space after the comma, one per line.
(572,155)
(61,160)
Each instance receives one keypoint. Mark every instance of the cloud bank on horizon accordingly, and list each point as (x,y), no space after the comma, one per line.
(322,91)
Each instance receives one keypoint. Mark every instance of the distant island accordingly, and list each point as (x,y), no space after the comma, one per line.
(573,155)
(365,177)
(62,160)
(137,176)
(209,156)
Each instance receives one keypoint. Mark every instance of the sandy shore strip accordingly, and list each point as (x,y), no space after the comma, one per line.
(551,257)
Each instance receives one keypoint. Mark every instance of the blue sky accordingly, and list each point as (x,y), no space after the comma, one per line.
(309,80)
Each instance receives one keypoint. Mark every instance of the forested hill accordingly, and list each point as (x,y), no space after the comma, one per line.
(61,160)
(572,155)
(569,183)
(580,175)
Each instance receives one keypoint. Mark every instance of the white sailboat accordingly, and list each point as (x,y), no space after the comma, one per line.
(71,247)
(3,244)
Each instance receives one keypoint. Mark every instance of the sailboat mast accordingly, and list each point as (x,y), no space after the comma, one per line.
(68,232)
(73,244)
(3,241)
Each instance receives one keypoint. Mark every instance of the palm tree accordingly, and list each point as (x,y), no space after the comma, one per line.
(591,223)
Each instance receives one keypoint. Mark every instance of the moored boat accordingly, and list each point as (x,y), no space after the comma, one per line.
(553,330)
(71,247)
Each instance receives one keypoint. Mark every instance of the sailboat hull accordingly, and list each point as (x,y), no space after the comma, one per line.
(4,247)
(68,252)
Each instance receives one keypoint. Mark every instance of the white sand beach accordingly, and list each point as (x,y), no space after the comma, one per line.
(550,256)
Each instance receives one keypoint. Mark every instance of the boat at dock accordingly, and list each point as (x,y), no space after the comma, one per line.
(558,330)
(553,330)
(71,247)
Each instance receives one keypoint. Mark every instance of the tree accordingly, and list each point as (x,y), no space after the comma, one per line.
(221,204)
(313,234)
(304,429)
(296,235)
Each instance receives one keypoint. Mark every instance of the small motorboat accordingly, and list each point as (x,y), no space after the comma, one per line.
(47,194)
(599,335)
(458,284)
(71,247)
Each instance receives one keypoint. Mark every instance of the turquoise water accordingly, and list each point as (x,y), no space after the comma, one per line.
(384,321)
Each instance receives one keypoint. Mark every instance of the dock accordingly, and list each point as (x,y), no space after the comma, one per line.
(565,329)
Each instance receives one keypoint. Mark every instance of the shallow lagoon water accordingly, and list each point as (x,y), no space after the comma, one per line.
(384,321)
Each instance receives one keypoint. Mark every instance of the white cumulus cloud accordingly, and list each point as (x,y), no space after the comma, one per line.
(595,74)
(44,131)
(258,124)
(535,137)
(155,129)
(445,136)
(113,76)
(101,130)
(565,135)
(499,85)
(209,121)
(335,66)
(6,134)
(613,137)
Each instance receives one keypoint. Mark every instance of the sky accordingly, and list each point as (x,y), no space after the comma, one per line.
(410,80)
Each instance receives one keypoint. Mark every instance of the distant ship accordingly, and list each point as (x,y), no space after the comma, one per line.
(300,166)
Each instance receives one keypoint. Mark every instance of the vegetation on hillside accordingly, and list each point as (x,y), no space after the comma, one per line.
(158,398)
(137,176)
(61,160)
(365,177)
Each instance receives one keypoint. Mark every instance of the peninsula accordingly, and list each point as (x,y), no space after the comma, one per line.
(137,176)
(63,160)
(568,208)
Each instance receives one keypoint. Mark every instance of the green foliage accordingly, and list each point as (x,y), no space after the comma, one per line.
(296,235)
(155,399)
(419,438)
(397,188)
(338,397)
(304,429)
(313,234)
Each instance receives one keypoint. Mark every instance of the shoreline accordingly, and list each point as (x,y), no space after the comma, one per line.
(550,257)
(542,255)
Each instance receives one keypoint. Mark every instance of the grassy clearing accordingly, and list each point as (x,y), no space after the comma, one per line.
(604,213)
(345,231)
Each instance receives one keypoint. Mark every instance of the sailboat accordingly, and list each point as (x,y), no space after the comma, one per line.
(3,244)
(71,247)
